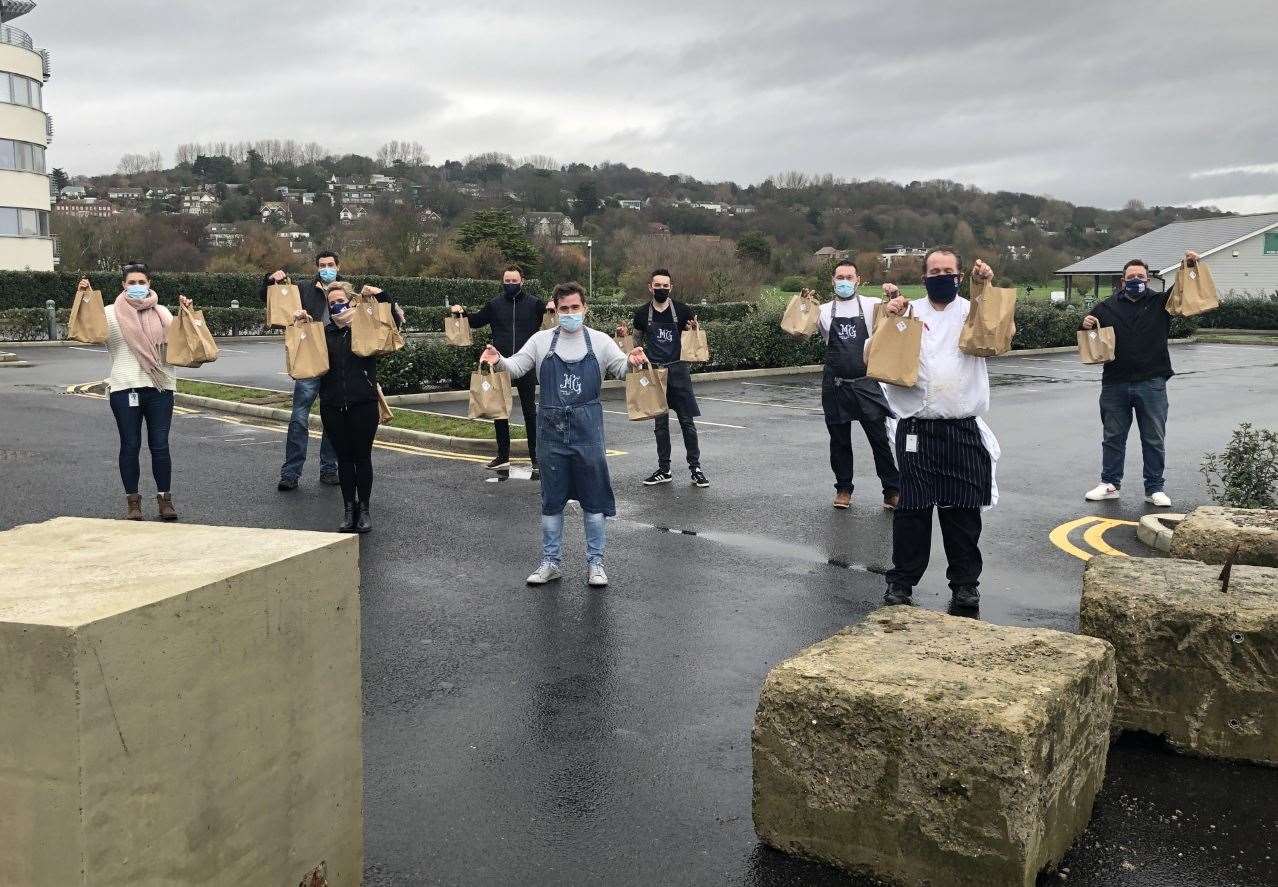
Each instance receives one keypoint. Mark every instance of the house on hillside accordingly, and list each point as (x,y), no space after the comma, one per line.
(351,214)
(556,225)
(898,252)
(635,205)
(1242,252)
(73,192)
(829,253)
(299,241)
(659,229)
(359,197)
(88,208)
(277,211)
(133,194)
(222,235)
(198,204)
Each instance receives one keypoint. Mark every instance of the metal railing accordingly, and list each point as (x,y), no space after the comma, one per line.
(46,63)
(16,37)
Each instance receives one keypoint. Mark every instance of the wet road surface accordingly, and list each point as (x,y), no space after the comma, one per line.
(562,736)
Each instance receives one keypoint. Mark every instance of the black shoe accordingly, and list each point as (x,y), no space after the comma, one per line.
(501,463)
(286,484)
(659,476)
(364,524)
(965,597)
(349,518)
(898,594)
(330,478)
(536,473)
(699,478)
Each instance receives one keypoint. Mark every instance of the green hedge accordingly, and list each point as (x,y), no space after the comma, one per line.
(1244,314)
(30,289)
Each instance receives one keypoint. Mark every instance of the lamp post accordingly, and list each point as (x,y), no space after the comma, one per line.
(590,261)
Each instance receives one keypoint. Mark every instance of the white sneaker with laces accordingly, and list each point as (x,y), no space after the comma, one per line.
(1102,492)
(547,572)
(598,578)
(1160,499)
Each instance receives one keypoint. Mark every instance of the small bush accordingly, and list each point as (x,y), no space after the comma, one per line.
(791,284)
(1245,475)
(1244,312)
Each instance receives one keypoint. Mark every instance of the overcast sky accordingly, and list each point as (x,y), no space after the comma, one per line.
(1091,101)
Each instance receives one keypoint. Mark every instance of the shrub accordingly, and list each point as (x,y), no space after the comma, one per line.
(1245,475)
(1244,313)
(29,324)
(791,284)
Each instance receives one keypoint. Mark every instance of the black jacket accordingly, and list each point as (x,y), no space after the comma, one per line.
(1141,328)
(314,300)
(350,379)
(513,321)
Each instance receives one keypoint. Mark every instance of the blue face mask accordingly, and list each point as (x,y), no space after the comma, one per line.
(943,288)
(845,289)
(138,291)
(1134,287)
(328,275)
(571,322)
(338,307)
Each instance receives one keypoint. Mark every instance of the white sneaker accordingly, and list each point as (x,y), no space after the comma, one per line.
(1102,492)
(1161,499)
(598,578)
(545,573)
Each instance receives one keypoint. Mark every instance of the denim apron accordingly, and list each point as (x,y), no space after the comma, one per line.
(846,394)
(570,434)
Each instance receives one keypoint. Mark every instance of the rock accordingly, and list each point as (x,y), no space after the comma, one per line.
(926,749)
(1195,665)
(1208,534)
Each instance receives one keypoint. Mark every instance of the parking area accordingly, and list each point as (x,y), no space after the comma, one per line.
(570,737)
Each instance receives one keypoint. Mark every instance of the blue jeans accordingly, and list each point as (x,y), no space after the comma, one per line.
(156,407)
(552,536)
(1148,400)
(299,433)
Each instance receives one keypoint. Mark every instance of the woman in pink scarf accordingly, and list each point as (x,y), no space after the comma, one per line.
(141,385)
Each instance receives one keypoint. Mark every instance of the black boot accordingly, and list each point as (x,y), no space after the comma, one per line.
(898,594)
(965,597)
(364,523)
(349,518)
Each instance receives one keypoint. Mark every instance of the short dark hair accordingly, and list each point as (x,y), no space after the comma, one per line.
(661,271)
(1140,262)
(947,250)
(515,268)
(327,254)
(568,289)
(851,264)
(135,268)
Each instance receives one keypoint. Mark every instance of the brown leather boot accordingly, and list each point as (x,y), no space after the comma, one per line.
(167,511)
(135,507)
(842,499)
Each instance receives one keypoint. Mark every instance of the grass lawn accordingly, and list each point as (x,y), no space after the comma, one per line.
(412,420)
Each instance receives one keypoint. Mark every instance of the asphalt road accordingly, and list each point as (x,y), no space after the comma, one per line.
(569,737)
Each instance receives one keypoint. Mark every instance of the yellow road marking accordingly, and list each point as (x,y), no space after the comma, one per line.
(1094,536)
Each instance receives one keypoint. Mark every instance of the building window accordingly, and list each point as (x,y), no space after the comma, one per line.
(1271,243)
(19,90)
(21,156)
(15,222)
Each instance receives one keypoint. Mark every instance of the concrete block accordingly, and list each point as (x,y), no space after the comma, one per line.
(925,749)
(1195,665)
(179,705)
(1210,533)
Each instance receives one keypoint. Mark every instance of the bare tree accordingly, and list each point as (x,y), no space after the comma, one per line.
(407,152)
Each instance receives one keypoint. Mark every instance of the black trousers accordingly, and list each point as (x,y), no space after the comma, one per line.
(912,545)
(841,455)
(688,425)
(526,385)
(352,429)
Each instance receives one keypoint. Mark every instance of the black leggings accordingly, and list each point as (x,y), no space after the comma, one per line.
(352,430)
(526,385)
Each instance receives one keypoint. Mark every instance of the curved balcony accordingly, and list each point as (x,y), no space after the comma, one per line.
(16,37)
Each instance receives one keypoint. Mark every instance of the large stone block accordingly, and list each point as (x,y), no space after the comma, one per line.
(179,705)
(926,749)
(1196,665)
(1210,533)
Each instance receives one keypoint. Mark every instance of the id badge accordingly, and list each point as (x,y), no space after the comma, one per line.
(133,398)
(911,443)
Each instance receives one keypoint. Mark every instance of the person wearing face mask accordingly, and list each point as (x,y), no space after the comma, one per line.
(141,386)
(846,394)
(514,316)
(659,327)
(945,451)
(348,407)
(571,362)
(314,303)
(1135,381)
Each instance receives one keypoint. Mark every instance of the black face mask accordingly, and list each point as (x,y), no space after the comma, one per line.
(943,288)
(512,289)
(660,295)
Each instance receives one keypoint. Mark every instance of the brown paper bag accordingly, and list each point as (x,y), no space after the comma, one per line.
(646,392)
(373,332)
(894,350)
(305,349)
(1096,346)
(457,330)
(1194,291)
(392,338)
(490,394)
(283,300)
(549,318)
(384,414)
(88,323)
(693,345)
(190,344)
(880,312)
(626,343)
(800,317)
(991,320)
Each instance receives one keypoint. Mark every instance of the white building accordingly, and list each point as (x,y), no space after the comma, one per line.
(1241,251)
(25,243)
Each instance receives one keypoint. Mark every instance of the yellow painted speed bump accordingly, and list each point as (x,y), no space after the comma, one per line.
(1093,536)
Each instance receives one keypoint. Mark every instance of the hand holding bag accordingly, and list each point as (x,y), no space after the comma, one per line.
(694,347)
(190,344)
(1194,292)
(283,300)
(1096,346)
(88,323)
(991,320)
(457,330)
(384,414)
(895,349)
(305,349)
(800,317)
(646,392)
(490,394)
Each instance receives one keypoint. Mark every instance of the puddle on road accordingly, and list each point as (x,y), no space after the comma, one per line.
(1000,380)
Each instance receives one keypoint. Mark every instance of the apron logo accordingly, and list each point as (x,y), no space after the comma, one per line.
(570,384)
(665,336)
(847,331)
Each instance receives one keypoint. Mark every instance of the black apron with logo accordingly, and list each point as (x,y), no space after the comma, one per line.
(663,343)
(846,394)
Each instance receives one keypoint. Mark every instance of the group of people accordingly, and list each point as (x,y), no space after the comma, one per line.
(931,446)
